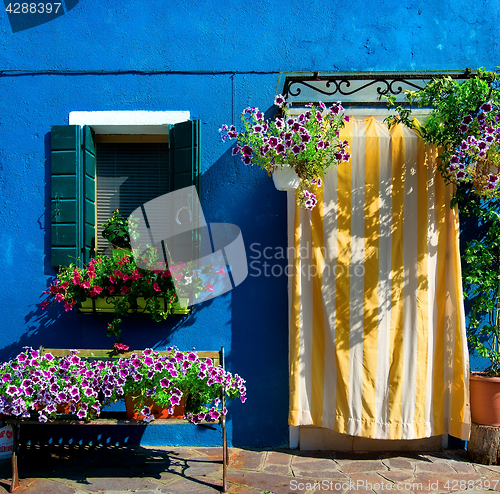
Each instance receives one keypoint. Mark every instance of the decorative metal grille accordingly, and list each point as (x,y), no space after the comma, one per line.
(357,88)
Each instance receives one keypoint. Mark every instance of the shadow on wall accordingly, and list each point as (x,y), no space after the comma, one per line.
(22,17)
(53,327)
(259,306)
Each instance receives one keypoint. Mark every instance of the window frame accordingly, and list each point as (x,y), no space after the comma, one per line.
(73,194)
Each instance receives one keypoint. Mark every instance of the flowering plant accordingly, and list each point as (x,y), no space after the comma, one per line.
(308,143)
(166,378)
(121,282)
(33,383)
(465,124)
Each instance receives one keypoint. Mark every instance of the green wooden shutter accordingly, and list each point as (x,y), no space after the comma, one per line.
(185,162)
(72,194)
(89,194)
(185,154)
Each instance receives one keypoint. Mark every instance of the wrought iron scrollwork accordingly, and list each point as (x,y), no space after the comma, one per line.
(342,85)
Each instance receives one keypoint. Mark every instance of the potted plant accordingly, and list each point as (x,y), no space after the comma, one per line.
(119,286)
(118,231)
(465,125)
(308,144)
(156,381)
(481,279)
(42,385)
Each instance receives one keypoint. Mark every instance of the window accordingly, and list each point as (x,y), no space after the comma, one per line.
(129,172)
(81,198)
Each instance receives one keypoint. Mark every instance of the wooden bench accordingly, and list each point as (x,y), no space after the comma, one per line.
(114,418)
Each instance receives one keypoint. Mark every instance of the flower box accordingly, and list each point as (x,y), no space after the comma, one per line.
(181,307)
(105,305)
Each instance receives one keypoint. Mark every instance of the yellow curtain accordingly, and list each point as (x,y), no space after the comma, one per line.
(377,331)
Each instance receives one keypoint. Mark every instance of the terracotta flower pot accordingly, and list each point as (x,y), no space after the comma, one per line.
(158,411)
(485,399)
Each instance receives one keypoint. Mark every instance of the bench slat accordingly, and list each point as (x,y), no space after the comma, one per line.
(103,421)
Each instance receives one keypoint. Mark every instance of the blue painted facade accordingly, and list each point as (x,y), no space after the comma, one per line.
(212,59)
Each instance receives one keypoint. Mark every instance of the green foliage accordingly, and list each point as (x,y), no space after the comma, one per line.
(34,383)
(481,279)
(452,102)
(118,231)
(165,379)
(121,282)
(124,278)
(308,143)
(465,126)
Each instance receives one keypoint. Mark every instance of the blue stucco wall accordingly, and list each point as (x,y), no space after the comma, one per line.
(212,59)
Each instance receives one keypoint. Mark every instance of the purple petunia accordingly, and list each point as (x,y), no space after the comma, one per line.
(486,107)
(279,100)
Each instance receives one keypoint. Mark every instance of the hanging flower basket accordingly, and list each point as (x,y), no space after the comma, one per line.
(285,178)
(309,144)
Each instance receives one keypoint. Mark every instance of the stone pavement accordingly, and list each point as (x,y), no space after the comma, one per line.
(175,470)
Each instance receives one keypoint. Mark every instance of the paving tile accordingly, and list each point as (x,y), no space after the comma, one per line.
(193,468)
(278,458)
(490,483)
(362,479)
(243,489)
(155,466)
(314,463)
(214,454)
(361,466)
(331,472)
(398,464)
(434,467)
(199,470)
(47,487)
(485,470)
(398,475)
(312,454)
(279,469)
(431,481)
(321,474)
(248,459)
(277,484)
(462,467)
(117,484)
(191,486)
(24,484)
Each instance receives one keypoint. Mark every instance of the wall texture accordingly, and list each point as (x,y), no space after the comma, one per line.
(212,59)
